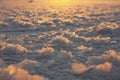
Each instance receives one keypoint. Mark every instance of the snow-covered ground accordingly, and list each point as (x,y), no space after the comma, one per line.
(79,42)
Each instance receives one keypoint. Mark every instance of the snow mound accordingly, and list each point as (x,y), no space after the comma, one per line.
(2,44)
(78,68)
(12,53)
(45,53)
(61,39)
(13,49)
(13,73)
(104,67)
(110,56)
(61,43)
(45,50)
(84,48)
(107,27)
(28,65)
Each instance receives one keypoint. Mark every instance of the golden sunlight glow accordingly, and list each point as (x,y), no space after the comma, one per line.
(80,2)
(61,2)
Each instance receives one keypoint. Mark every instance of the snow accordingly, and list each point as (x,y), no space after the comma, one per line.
(43,42)
(13,73)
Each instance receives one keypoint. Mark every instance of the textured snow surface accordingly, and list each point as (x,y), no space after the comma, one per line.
(68,43)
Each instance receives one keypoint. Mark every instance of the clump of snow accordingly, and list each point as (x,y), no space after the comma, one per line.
(61,43)
(68,32)
(3,24)
(110,56)
(13,73)
(2,44)
(47,23)
(44,54)
(61,39)
(107,27)
(2,36)
(106,66)
(27,64)
(78,68)
(45,50)
(12,53)
(13,49)
(84,48)
(69,53)
(22,21)
(95,38)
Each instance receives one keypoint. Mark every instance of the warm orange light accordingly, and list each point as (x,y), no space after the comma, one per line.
(61,2)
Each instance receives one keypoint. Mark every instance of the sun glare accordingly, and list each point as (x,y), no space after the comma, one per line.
(61,2)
